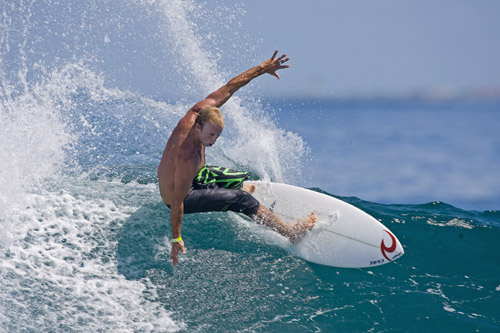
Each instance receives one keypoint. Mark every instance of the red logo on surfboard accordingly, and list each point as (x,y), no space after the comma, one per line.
(386,249)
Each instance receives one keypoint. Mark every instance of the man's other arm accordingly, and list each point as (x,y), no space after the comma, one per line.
(222,95)
(183,180)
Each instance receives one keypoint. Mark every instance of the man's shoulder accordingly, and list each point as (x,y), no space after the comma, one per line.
(189,118)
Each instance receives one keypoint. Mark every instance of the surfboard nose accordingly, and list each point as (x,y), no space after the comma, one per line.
(390,246)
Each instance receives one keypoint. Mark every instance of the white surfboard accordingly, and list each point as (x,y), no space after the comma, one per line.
(344,236)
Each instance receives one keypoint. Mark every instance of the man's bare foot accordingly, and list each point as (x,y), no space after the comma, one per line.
(300,228)
(250,188)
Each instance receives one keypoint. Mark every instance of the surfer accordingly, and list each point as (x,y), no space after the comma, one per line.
(183,165)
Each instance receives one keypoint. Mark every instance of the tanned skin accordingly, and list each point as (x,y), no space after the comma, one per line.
(184,156)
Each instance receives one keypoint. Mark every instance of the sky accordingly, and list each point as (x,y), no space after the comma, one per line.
(383,47)
(338,48)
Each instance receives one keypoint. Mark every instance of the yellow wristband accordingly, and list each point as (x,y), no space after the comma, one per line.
(176,240)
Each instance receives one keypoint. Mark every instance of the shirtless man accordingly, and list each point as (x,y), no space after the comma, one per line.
(184,157)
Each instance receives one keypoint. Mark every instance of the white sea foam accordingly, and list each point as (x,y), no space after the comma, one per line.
(33,139)
(64,267)
(449,309)
(454,222)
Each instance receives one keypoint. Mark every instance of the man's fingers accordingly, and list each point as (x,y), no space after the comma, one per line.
(283,60)
(174,258)
(174,253)
(277,63)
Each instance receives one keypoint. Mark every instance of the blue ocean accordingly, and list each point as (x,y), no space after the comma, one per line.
(84,245)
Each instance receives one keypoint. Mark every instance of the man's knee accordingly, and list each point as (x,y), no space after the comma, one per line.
(243,202)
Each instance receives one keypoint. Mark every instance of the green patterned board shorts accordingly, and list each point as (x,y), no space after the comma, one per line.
(218,189)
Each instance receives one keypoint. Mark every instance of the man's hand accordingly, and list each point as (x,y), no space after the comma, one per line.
(273,64)
(174,253)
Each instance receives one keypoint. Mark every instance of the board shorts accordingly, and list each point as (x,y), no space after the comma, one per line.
(218,189)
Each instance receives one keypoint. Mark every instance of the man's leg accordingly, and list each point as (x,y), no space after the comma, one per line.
(293,231)
(218,199)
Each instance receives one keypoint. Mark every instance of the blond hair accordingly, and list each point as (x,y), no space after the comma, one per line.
(210,114)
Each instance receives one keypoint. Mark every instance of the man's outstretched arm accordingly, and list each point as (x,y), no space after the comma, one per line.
(221,95)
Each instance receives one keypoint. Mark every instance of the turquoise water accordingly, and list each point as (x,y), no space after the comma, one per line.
(95,258)
(84,244)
